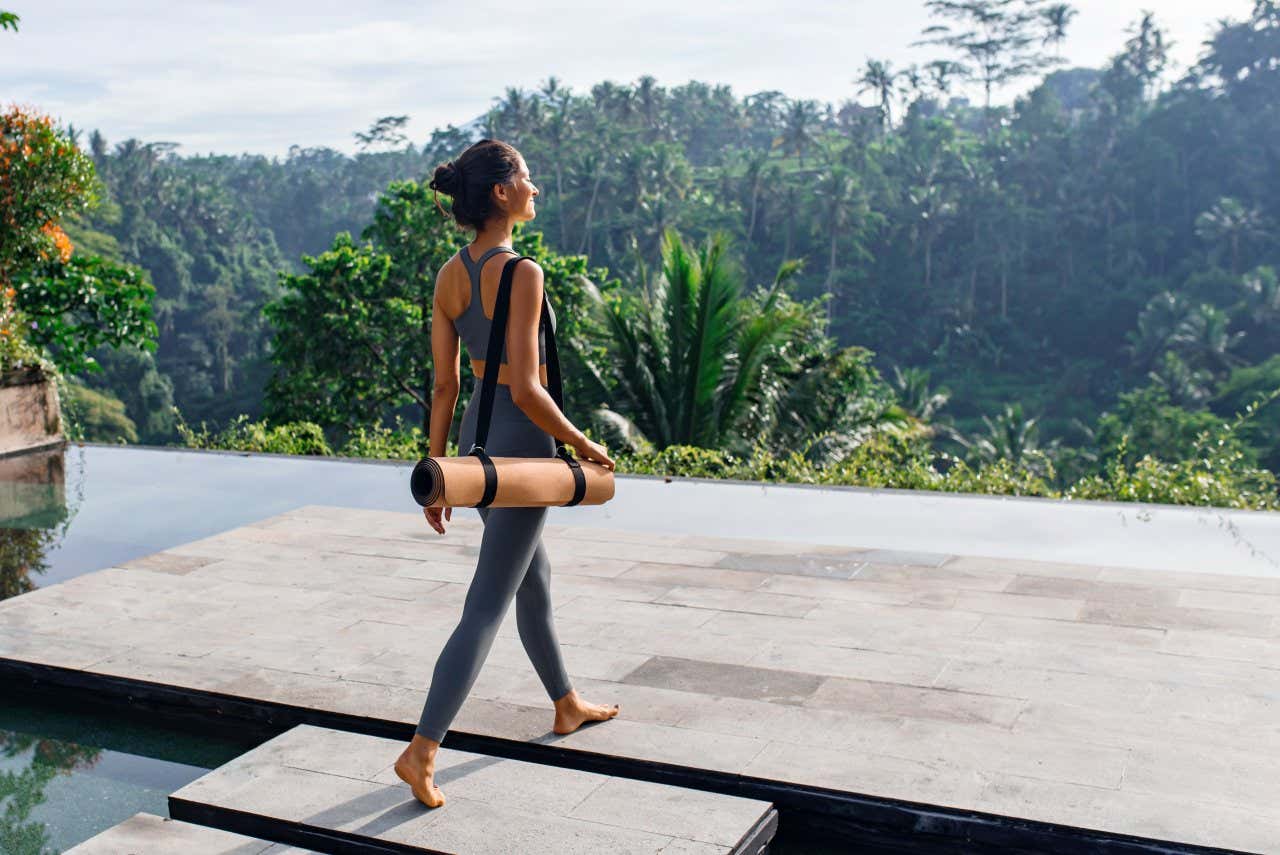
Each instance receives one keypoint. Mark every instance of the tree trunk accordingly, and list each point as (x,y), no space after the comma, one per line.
(560,200)
(928,264)
(751,223)
(831,278)
(591,204)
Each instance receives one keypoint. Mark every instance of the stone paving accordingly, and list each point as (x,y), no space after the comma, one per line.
(1132,701)
(336,781)
(148,833)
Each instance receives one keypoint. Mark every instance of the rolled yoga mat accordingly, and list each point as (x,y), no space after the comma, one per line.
(522,482)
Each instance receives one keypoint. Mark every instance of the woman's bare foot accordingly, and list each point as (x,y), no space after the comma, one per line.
(416,766)
(572,711)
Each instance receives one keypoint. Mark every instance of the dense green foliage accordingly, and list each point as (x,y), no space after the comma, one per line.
(352,343)
(55,307)
(1069,291)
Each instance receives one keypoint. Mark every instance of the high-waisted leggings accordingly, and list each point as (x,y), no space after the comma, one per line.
(512,564)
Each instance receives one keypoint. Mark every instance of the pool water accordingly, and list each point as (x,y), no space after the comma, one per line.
(68,773)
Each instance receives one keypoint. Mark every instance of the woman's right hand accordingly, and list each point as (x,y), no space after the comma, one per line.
(433,517)
(589,450)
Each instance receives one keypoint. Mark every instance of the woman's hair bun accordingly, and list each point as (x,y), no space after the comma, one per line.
(447,179)
(469,179)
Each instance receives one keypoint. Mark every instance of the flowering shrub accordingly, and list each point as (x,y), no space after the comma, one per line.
(43,176)
(16,351)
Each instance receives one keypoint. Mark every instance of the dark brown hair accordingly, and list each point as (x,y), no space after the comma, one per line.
(469,180)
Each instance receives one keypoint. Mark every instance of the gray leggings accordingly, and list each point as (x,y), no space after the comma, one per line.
(512,564)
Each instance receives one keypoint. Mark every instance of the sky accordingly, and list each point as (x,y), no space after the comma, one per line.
(258,77)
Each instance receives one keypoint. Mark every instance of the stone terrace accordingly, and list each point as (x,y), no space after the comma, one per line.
(1135,702)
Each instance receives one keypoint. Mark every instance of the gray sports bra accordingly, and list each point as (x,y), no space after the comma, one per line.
(473,326)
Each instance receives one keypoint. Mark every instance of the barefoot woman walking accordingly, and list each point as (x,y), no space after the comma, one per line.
(492,191)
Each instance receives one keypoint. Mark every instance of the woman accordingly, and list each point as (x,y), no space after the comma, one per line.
(492,191)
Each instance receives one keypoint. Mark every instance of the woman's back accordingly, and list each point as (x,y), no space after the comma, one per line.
(472,323)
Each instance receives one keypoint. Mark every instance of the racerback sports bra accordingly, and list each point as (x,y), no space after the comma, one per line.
(473,326)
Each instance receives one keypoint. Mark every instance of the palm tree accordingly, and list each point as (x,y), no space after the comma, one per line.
(649,97)
(1056,20)
(1262,295)
(880,80)
(691,356)
(1229,224)
(911,385)
(756,172)
(517,113)
(557,129)
(841,201)
(1187,387)
(797,134)
(1157,325)
(1203,337)
(1010,436)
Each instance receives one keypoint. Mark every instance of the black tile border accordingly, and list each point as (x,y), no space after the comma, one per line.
(874,824)
(289,832)
(293,833)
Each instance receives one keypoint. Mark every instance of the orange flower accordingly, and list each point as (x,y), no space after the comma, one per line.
(61,243)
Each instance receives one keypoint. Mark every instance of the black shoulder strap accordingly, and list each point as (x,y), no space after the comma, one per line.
(489,385)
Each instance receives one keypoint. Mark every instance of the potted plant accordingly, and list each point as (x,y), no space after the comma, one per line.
(30,415)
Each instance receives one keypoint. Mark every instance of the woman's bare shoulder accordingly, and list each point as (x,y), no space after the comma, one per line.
(528,270)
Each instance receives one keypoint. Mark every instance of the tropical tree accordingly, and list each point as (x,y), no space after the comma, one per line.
(1229,225)
(1056,19)
(798,130)
(1000,40)
(1010,436)
(351,341)
(687,361)
(915,396)
(879,79)
(68,304)
(1204,338)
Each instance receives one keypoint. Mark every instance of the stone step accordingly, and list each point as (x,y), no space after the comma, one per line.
(337,791)
(146,833)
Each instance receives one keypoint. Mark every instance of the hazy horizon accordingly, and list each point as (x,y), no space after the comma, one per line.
(312,74)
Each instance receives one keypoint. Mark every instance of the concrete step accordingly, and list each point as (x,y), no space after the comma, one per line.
(146,833)
(338,792)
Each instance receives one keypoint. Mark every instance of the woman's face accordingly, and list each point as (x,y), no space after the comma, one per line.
(520,195)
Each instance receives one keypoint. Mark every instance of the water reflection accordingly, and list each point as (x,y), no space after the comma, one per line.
(29,765)
(34,515)
(66,772)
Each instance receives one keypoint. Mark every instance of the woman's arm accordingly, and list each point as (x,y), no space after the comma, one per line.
(527,391)
(446,377)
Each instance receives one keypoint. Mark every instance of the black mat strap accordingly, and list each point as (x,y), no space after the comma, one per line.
(489,385)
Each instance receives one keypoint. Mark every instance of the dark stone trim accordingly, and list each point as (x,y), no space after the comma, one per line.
(311,837)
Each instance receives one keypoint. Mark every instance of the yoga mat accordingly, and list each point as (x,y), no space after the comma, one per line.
(523,482)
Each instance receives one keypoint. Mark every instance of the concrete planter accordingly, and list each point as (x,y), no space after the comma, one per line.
(30,417)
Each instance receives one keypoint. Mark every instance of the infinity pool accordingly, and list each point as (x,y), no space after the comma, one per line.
(68,771)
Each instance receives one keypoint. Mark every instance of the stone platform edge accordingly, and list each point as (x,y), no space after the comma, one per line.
(837,812)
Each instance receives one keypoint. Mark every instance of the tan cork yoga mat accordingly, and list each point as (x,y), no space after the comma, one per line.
(522,482)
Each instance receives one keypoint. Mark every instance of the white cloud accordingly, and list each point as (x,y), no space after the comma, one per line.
(239,76)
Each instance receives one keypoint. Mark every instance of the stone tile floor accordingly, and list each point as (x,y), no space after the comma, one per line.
(1134,701)
(335,780)
(145,832)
